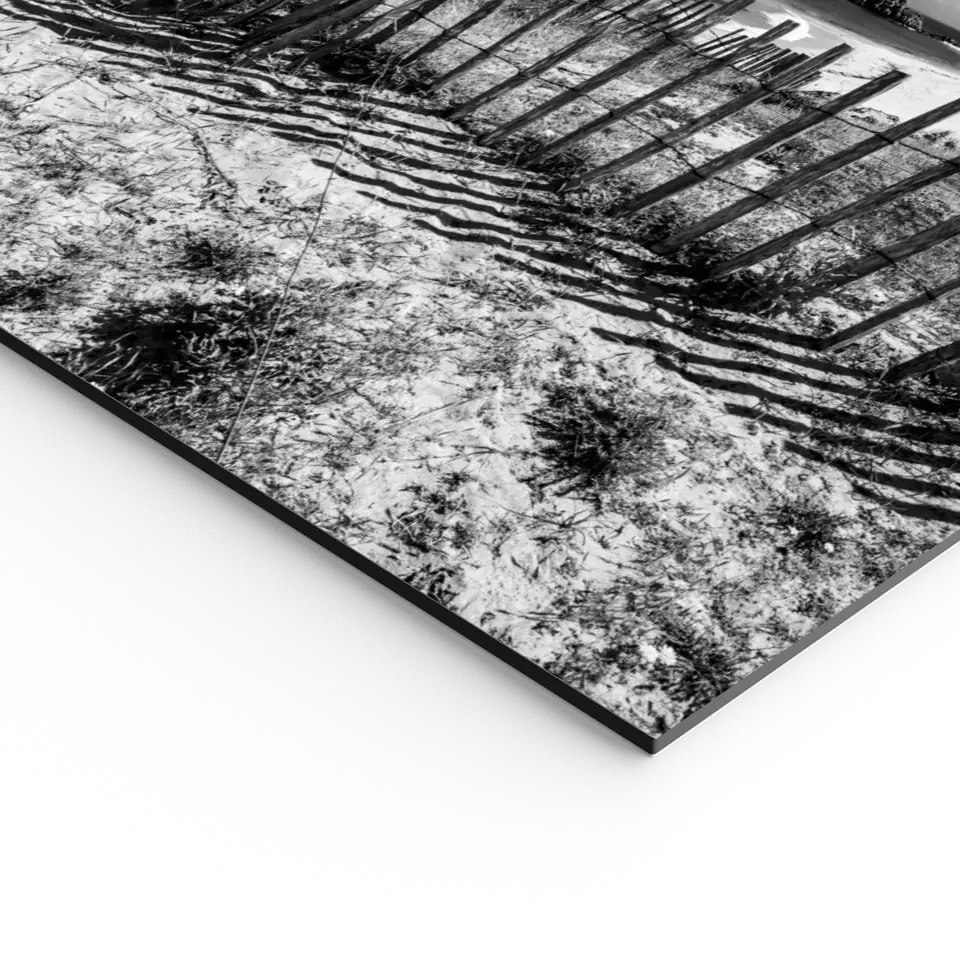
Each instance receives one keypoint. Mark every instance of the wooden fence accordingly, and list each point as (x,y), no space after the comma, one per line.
(322,28)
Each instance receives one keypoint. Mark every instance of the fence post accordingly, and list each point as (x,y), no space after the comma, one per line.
(807,121)
(762,57)
(285,24)
(623,12)
(783,62)
(729,109)
(526,74)
(881,321)
(200,7)
(548,16)
(925,363)
(719,45)
(805,176)
(587,86)
(452,32)
(261,8)
(675,16)
(851,211)
(395,24)
(889,255)
(309,29)
(773,57)
(552,60)
(814,78)
(399,16)
(635,106)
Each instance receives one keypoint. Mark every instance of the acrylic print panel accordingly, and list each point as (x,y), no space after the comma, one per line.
(620,336)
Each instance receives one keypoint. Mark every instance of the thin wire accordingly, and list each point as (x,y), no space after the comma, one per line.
(282,305)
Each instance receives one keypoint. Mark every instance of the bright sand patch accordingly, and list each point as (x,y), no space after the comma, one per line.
(934,67)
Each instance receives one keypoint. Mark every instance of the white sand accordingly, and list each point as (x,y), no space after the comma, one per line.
(934,67)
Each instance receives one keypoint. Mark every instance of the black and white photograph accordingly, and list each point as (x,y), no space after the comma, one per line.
(621,334)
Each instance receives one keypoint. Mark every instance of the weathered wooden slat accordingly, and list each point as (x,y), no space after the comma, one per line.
(730,109)
(810,80)
(654,96)
(397,24)
(714,47)
(783,61)
(545,18)
(287,23)
(760,56)
(659,18)
(770,62)
(889,255)
(926,363)
(851,211)
(257,11)
(207,10)
(452,32)
(624,11)
(350,37)
(878,322)
(688,25)
(673,18)
(585,87)
(632,8)
(783,56)
(808,120)
(527,74)
(314,27)
(806,176)
(552,60)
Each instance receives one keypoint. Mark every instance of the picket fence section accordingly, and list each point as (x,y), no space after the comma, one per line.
(323,28)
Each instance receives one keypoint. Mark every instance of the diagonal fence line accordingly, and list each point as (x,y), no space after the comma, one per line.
(452,34)
(679,155)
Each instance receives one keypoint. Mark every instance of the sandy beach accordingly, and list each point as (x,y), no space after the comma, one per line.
(497,394)
(878,46)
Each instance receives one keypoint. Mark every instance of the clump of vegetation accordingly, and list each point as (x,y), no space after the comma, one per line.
(791,155)
(767,290)
(813,531)
(657,225)
(436,515)
(185,361)
(177,360)
(369,64)
(36,290)
(598,436)
(897,10)
(621,615)
(62,166)
(649,644)
(504,359)
(218,254)
(562,166)
(584,663)
(503,292)
(437,529)
(702,669)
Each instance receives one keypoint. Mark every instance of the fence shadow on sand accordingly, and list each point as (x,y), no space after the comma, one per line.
(898,444)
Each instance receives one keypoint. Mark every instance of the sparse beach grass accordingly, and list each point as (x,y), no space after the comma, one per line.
(499,395)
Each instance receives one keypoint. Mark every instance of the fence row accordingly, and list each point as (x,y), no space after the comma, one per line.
(320,29)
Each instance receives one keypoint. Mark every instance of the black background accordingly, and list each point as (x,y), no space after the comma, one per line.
(177,622)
